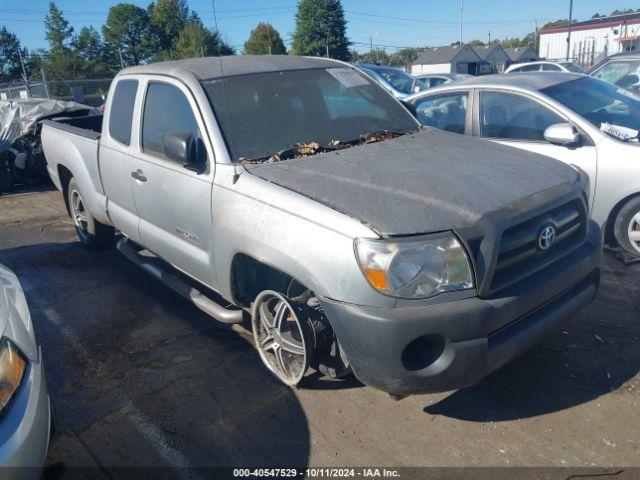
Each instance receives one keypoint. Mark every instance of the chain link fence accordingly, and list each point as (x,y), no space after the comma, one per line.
(88,91)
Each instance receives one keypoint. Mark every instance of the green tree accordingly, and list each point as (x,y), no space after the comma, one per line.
(127,31)
(60,62)
(377,55)
(197,41)
(263,40)
(476,43)
(168,18)
(625,11)
(57,28)
(94,58)
(10,50)
(321,29)
(405,56)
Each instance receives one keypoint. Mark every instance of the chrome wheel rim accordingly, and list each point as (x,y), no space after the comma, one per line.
(79,214)
(279,336)
(633,232)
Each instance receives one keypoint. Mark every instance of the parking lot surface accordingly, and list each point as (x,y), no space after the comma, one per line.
(139,377)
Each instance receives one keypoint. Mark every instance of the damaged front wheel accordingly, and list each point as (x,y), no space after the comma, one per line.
(283,336)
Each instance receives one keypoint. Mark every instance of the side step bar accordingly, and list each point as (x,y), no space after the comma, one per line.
(152,265)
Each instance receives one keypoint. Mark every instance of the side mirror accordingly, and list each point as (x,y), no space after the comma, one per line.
(183,148)
(562,134)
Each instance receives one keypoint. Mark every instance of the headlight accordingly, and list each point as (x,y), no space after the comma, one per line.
(417,267)
(12,366)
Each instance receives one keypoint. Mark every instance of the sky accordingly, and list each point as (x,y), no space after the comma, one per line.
(390,25)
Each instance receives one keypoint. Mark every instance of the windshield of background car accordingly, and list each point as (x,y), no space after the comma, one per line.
(624,73)
(572,67)
(599,102)
(265,113)
(401,81)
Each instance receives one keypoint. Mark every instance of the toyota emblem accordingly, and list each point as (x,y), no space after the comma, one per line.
(547,237)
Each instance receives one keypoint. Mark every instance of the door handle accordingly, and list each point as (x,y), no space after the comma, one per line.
(139,175)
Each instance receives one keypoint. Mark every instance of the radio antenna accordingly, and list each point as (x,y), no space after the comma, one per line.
(224,84)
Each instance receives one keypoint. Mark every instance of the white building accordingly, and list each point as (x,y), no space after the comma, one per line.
(449,59)
(592,39)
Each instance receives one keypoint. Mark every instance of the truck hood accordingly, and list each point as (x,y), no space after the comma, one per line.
(424,182)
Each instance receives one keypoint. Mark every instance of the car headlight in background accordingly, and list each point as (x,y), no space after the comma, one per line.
(12,366)
(419,267)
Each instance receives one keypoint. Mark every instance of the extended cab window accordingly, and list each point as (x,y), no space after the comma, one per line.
(166,110)
(121,112)
(446,112)
(510,116)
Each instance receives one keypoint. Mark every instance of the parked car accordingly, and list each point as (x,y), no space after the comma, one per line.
(545,66)
(435,79)
(299,190)
(577,119)
(399,83)
(622,69)
(25,409)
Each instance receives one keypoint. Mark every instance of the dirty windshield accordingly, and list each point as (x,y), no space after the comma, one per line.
(278,115)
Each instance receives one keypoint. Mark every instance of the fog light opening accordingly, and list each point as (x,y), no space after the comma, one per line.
(423,352)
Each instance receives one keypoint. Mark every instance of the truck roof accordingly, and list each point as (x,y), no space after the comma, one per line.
(216,67)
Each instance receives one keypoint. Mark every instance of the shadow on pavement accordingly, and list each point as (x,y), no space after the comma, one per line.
(593,354)
(140,378)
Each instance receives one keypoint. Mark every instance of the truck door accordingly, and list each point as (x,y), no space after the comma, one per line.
(115,160)
(173,203)
(520,121)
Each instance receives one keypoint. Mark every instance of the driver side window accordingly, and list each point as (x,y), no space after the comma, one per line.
(511,116)
(446,111)
(166,110)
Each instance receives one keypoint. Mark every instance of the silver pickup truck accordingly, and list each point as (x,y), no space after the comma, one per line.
(299,194)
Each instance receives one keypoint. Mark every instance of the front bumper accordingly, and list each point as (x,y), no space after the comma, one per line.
(452,345)
(25,427)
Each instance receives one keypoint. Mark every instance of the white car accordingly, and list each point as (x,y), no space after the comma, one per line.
(431,80)
(545,66)
(588,123)
(25,413)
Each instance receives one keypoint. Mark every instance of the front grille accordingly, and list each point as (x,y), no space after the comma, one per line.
(520,254)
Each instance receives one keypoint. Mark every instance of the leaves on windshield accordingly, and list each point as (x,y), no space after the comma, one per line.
(302,149)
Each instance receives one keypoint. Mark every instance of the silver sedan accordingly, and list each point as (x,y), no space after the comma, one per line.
(579,120)
(25,414)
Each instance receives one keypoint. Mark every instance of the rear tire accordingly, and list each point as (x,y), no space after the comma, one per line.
(91,232)
(627,226)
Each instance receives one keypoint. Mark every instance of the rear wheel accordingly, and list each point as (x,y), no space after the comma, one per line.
(92,233)
(627,226)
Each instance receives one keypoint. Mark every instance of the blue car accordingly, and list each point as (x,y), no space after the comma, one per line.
(399,83)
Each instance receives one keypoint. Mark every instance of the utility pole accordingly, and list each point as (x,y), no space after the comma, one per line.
(44,83)
(371,46)
(569,28)
(489,37)
(535,39)
(461,8)
(121,61)
(24,73)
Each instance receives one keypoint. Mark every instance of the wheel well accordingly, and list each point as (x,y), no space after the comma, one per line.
(609,236)
(250,276)
(65,177)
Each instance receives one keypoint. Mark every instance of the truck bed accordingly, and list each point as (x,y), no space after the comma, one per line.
(71,148)
(88,126)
